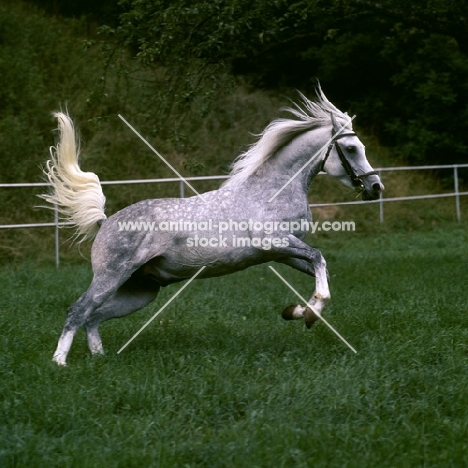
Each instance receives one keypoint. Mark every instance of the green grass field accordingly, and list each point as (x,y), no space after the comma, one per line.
(220,380)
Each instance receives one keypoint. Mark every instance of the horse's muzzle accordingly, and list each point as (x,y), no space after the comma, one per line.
(374,192)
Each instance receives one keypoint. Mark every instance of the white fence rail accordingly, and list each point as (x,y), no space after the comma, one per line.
(456,194)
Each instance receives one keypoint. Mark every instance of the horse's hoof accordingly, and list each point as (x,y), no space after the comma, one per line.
(293,312)
(310,317)
(59,362)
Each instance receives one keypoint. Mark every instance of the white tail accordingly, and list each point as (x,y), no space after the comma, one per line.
(77,194)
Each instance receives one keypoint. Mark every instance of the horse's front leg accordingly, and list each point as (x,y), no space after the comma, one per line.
(310,261)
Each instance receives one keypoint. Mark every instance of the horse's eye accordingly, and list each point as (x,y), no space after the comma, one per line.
(351,149)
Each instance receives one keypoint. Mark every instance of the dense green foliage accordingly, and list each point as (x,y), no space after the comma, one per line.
(402,66)
(219,380)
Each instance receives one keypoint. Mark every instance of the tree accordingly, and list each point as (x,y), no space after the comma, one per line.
(444,17)
(192,47)
(401,65)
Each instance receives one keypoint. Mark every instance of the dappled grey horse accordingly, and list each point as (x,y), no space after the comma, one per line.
(260,214)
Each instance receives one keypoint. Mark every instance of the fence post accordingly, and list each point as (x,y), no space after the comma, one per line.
(182,189)
(57,240)
(381,203)
(457,196)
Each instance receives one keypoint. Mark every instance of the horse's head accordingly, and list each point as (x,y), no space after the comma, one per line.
(346,160)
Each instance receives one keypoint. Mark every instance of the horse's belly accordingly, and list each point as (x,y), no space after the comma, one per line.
(168,269)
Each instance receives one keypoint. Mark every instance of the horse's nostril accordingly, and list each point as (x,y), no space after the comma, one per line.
(376,187)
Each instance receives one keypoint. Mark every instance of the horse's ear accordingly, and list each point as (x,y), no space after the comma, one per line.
(336,126)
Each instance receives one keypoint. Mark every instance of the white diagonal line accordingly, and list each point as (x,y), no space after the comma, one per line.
(161,309)
(310,160)
(164,160)
(307,304)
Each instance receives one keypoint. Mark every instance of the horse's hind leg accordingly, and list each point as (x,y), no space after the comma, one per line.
(78,313)
(133,295)
(101,288)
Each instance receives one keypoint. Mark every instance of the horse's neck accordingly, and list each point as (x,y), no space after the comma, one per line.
(279,188)
(293,167)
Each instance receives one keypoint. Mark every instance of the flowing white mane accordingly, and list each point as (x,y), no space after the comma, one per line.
(309,114)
